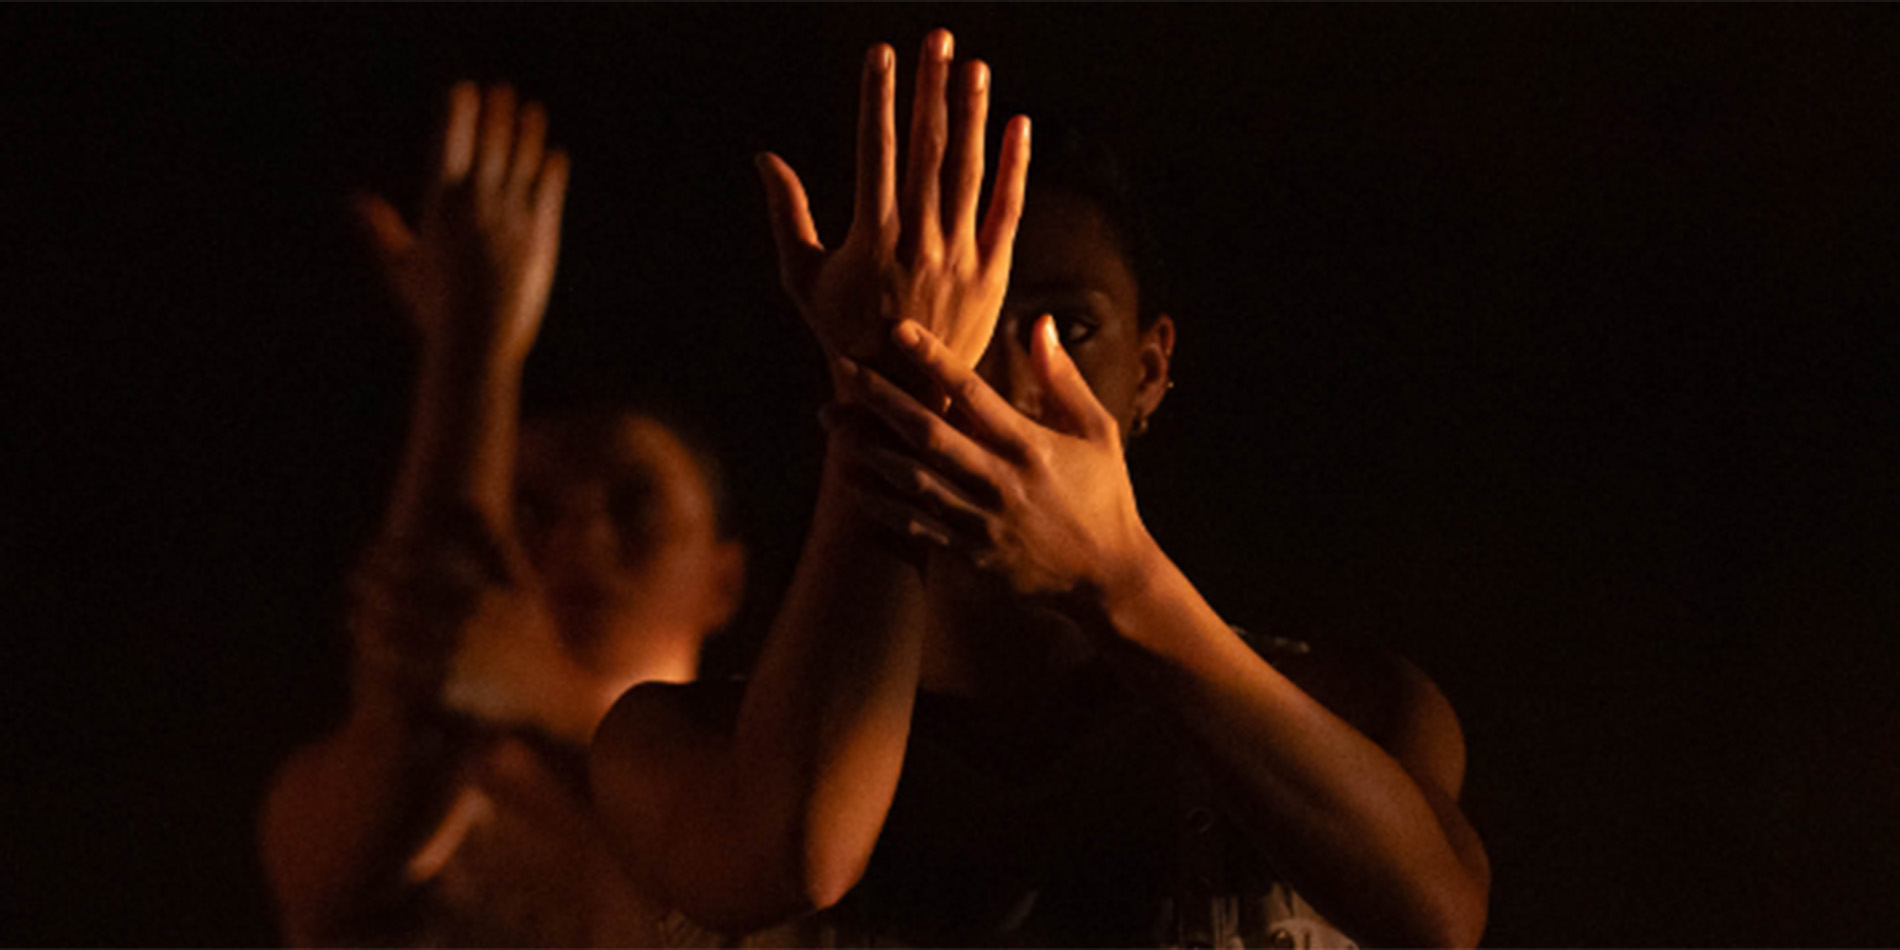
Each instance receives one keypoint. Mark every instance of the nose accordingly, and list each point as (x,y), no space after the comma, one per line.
(1006,367)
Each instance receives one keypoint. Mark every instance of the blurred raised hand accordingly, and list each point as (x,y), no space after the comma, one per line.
(475,268)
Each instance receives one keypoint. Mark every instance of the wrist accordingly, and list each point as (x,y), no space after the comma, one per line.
(1123,591)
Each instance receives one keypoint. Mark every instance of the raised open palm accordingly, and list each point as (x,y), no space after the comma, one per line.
(919,255)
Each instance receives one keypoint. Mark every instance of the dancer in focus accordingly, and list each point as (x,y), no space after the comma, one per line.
(992,711)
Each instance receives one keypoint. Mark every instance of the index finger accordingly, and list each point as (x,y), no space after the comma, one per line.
(997,422)
(877,139)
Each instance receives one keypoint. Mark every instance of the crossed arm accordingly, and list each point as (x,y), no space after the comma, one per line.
(1346,769)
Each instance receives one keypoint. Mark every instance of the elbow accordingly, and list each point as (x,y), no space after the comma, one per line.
(730,855)
(1455,917)
(827,878)
(764,897)
(753,888)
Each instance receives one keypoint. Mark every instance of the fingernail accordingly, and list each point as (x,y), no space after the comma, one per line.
(847,367)
(908,334)
(879,57)
(1046,325)
(979,77)
(941,43)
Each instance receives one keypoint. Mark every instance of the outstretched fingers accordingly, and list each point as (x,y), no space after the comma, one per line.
(929,133)
(877,140)
(531,133)
(973,111)
(455,148)
(998,240)
(550,195)
(495,143)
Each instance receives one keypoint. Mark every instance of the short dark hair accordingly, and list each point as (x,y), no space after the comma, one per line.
(1068,158)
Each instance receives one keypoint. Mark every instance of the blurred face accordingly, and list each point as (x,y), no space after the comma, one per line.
(621,525)
(1068,263)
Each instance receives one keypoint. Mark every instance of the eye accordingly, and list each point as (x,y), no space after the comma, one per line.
(1074,327)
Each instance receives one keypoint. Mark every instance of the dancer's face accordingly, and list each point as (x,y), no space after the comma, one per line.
(1069,263)
(621,524)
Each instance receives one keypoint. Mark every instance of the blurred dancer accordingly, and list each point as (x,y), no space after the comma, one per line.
(517,588)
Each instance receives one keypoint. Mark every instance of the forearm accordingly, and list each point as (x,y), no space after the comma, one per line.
(345,815)
(826,719)
(461,446)
(1351,828)
(778,815)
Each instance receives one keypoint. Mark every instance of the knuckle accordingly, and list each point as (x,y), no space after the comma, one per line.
(964,389)
(1016,496)
(995,541)
(934,440)
(1039,456)
(927,252)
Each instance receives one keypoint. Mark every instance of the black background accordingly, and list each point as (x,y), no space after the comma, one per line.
(1549,346)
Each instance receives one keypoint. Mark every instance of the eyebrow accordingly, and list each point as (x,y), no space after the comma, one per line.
(1061,288)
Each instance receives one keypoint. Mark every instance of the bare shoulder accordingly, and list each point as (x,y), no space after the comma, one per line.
(658,723)
(1391,701)
(659,742)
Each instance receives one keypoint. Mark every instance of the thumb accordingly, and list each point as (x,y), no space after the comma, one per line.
(388,237)
(792,227)
(1066,391)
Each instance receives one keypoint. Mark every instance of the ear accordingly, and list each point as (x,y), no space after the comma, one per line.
(1156,355)
(727,591)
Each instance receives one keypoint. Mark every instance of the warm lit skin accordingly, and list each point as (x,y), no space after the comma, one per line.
(781,815)
(487,646)
(1350,768)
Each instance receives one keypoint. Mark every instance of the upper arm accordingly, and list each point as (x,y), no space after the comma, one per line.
(1396,705)
(321,839)
(1393,703)
(666,789)
(646,754)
